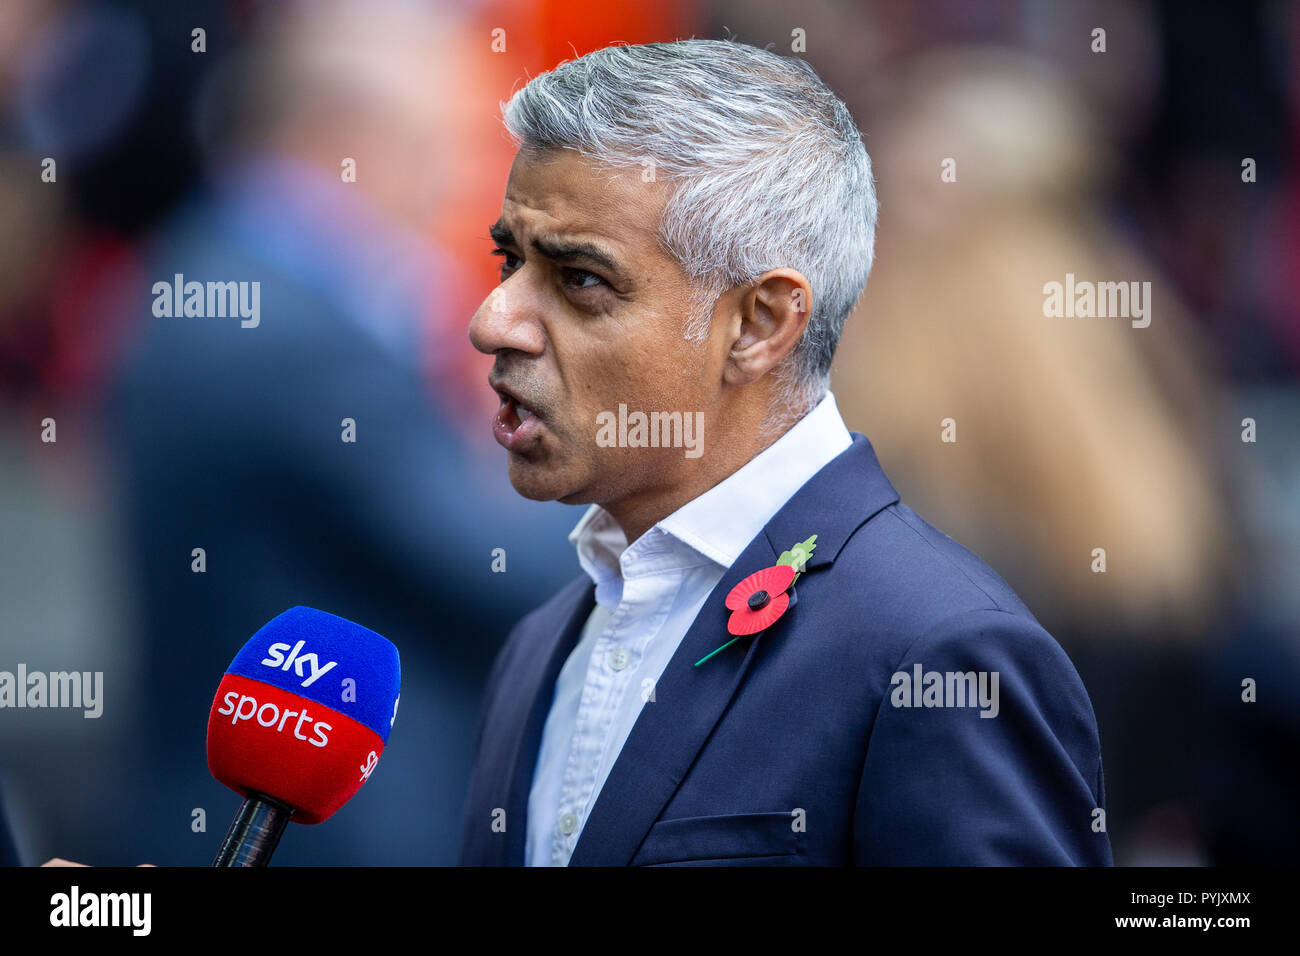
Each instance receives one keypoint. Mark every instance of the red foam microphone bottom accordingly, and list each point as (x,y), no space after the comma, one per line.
(264,739)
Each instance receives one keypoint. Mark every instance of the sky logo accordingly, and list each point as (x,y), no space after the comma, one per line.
(302,664)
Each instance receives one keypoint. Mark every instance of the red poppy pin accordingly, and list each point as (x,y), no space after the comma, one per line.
(757,602)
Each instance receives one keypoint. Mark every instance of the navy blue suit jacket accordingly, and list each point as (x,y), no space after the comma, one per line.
(788,748)
(8,854)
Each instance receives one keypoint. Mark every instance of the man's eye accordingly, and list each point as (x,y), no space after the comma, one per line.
(582,279)
(509,261)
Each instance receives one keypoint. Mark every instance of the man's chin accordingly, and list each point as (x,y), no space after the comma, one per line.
(535,481)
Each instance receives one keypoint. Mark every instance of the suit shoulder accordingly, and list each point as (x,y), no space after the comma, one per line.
(899,585)
(905,563)
(933,601)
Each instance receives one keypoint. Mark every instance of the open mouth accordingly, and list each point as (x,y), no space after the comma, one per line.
(516,424)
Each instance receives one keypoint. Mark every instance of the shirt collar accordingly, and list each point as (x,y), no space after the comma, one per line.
(718,524)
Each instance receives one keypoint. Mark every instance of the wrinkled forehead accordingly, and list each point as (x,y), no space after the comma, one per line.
(562,196)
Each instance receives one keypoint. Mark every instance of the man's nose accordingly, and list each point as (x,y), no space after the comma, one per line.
(505,321)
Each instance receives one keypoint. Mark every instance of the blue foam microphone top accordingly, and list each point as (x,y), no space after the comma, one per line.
(327,659)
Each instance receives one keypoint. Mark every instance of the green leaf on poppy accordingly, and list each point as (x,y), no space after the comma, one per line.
(797,557)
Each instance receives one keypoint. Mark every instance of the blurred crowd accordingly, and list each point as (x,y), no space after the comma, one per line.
(133,149)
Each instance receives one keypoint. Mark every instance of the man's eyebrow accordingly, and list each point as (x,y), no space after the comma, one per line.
(557,248)
(562,250)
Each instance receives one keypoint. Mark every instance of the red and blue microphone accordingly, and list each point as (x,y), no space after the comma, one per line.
(298,724)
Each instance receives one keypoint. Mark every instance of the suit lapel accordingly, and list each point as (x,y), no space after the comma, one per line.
(522,710)
(690,700)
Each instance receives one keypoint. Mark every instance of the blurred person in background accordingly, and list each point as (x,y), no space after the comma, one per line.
(114,92)
(88,155)
(1067,434)
(232,438)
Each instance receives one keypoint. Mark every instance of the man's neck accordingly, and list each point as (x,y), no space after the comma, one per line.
(639,513)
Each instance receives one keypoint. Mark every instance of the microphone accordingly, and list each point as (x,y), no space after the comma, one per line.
(298,724)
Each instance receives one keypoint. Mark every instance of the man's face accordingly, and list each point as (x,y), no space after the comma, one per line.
(589,314)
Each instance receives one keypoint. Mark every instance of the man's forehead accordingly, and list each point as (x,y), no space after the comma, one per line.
(565,195)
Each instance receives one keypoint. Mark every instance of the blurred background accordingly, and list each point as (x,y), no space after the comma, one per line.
(220,155)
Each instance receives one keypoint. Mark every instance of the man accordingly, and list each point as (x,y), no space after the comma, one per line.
(685,228)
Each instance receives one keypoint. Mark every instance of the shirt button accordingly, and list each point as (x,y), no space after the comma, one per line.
(568,823)
(618,658)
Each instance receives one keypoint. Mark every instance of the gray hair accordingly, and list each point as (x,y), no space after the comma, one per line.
(769,168)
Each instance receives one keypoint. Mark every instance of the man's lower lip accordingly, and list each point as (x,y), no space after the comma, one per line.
(518,439)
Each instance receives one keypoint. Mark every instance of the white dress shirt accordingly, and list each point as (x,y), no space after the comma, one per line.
(647,596)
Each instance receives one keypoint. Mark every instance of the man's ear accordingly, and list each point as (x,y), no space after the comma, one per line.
(772,314)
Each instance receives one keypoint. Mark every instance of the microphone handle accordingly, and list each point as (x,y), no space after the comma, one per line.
(254,833)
